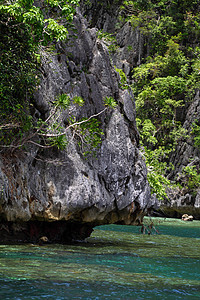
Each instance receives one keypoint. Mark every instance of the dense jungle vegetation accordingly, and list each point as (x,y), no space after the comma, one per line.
(27,27)
(164,84)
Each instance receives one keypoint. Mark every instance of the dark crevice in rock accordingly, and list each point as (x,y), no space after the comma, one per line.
(177,211)
(104,182)
(116,205)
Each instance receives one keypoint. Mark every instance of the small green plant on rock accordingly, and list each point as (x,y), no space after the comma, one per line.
(109,40)
(191,178)
(110,102)
(90,136)
(123,80)
(196,133)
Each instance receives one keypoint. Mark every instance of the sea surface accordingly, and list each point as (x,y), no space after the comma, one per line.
(116,262)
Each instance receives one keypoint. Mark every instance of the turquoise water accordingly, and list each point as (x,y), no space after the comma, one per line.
(116,262)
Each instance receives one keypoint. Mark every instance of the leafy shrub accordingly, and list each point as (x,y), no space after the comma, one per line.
(196,133)
(157,167)
(191,178)
(109,40)
(24,28)
(123,80)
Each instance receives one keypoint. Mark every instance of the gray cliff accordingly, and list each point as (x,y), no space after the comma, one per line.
(62,194)
(132,48)
(185,154)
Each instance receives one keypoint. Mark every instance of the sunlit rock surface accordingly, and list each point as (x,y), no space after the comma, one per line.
(132,48)
(62,194)
(185,155)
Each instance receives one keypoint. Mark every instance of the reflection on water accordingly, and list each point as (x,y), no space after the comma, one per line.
(116,262)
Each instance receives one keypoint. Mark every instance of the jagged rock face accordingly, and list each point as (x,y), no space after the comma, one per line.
(186,154)
(186,151)
(132,47)
(39,185)
(101,14)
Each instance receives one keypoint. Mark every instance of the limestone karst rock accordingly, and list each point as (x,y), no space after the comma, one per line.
(133,47)
(185,154)
(62,194)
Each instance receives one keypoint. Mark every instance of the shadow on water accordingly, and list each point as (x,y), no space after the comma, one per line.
(116,262)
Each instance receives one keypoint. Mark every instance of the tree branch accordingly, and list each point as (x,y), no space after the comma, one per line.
(72,125)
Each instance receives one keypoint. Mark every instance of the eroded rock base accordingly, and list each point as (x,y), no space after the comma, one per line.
(43,232)
(177,212)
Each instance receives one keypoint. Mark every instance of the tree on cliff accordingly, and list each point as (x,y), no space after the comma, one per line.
(166,82)
(26,28)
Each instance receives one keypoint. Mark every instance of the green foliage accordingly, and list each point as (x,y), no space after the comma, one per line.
(86,131)
(52,129)
(106,36)
(147,131)
(172,63)
(193,79)
(191,178)
(59,141)
(196,133)
(156,171)
(109,101)
(158,183)
(145,20)
(63,101)
(41,29)
(109,40)
(157,99)
(155,158)
(78,100)
(17,79)
(162,86)
(161,33)
(123,80)
(90,136)
(166,81)
(160,20)
(24,28)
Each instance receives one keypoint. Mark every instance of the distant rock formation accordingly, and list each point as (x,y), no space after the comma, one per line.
(185,154)
(133,47)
